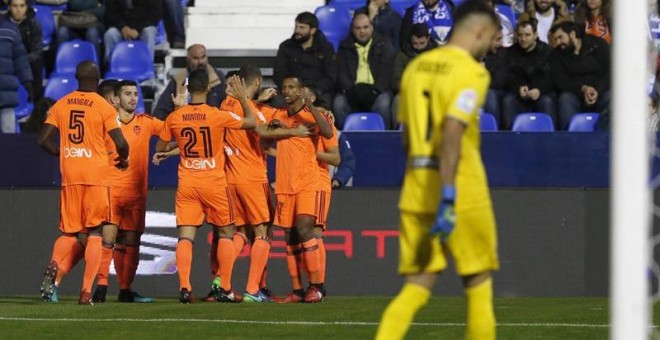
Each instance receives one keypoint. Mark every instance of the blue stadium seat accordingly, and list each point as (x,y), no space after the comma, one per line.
(334,22)
(533,122)
(399,7)
(47,20)
(140,108)
(70,54)
(364,121)
(487,122)
(131,60)
(507,11)
(350,4)
(24,107)
(583,122)
(58,87)
(161,36)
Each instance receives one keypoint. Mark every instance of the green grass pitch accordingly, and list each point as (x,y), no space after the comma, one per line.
(335,318)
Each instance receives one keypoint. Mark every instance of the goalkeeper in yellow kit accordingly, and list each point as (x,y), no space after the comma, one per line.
(445,204)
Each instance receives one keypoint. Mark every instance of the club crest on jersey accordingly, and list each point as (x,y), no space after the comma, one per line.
(467,101)
(137,130)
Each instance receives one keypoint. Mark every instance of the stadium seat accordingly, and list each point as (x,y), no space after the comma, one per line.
(131,60)
(161,36)
(533,122)
(140,108)
(24,107)
(487,122)
(47,20)
(507,11)
(364,121)
(58,87)
(400,7)
(334,22)
(350,4)
(583,122)
(70,53)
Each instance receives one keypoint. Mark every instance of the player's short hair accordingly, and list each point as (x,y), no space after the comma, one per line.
(126,82)
(250,73)
(291,76)
(568,27)
(107,86)
(471,8)
(420,31)
(533,23)
(198,81)
(308,18)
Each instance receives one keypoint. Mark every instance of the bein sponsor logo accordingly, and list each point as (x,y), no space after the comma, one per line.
(199,164)
(77,153)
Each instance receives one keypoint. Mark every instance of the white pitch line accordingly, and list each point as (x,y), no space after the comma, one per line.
(307,323)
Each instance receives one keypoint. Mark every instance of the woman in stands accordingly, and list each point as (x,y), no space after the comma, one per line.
(596,17)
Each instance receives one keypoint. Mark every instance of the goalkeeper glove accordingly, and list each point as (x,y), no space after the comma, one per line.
(446,216)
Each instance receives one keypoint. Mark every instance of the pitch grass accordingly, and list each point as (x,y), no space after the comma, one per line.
(336,318)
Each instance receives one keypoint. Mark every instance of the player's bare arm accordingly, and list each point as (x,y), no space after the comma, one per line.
(330,156)
(161,156)
(45,139)
(181,98)
(122,148)
(325,129)
(239,90)
(162,145)
(450,149)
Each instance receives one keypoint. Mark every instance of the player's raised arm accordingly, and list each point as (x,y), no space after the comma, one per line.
(325,129)
(122,148)
(45,139)
(239,91)
(330,156)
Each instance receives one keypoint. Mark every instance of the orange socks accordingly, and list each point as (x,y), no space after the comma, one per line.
(184,250)
(62,247)
(262,283)
(239,242)
(292,259)
(69,261)
(226,256)
(258,260)
(118,260)
(131,262)
(104,267)
(213,257)
(92,261)
(321,260)
(312,260)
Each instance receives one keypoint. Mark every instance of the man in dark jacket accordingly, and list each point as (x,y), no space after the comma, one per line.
(581,71)
(131,20)
(14,67)
(308,56)
(529,87)
(196,59)
(387,22)
(497,63)
(365,72)
(23,15)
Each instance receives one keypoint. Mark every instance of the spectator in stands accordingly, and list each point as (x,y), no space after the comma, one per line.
(23,15)
(365,72)
(308,56)
(436,14)
(581,71)
(530,82)
(344,172)
(595,16)
(173,20)
(387,22)
(419,41)
(497,63)
(546,13)
(38,115)
(505,24)
(92,34)
(131,20)
(196,59)
(14,67)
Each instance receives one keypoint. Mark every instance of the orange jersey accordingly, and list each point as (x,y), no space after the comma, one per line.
(296,166)
(598,27)
(138,134)
(199,130)
(324,170)
(83,120)
(246,163)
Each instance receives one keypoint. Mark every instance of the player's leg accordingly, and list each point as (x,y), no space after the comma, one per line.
(132,229)
(71,259)
(307,209)
(421,261)
(189,216)
(110,232)
(263,284)
(213,260)
(293,264)
(258,260)
(118,258)
(480,313)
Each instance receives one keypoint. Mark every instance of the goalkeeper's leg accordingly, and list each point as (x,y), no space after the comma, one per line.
(480,314)
(400,312)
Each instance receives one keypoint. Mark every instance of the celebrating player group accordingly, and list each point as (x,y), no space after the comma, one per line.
(104,158)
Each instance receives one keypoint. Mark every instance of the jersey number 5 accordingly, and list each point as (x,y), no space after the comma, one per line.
(76,126)
(190,134)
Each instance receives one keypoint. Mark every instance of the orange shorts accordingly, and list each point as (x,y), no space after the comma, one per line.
(83,206)
(127,212)
(323,208)
(252,203)
(191,204)
(291,205)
